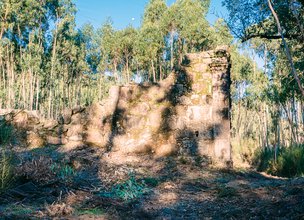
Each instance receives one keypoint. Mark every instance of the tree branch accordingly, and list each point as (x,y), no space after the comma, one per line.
(270,37)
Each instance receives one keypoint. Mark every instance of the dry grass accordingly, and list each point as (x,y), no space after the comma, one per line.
(44,170)
(59,209)
(38,170)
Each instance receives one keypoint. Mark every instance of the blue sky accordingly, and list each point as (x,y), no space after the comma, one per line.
(126,12)
(123,11)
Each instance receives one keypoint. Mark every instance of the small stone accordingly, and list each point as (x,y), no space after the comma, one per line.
(77,109)
(75,138)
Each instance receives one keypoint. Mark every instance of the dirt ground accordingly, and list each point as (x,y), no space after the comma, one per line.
(91,184)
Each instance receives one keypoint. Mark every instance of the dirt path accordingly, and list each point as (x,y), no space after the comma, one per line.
(85,185)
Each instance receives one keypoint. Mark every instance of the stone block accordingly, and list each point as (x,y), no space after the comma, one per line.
(34,140)
(165,150)
(56,140)
(76,138)
(75,130)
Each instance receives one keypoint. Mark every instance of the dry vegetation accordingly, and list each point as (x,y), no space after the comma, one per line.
(90,183)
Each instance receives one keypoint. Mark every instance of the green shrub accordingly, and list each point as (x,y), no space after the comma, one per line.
(5,133)
(263,159)
(150,181)
(18,211)
(130,189)
(226,192)
(63,172)
(6,169)
(93,211)
(289,163)
(243,151)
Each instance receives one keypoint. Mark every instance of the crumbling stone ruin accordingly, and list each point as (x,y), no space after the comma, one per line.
(187,113)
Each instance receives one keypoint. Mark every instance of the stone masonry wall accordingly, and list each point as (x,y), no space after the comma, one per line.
(210,102)
(187,113)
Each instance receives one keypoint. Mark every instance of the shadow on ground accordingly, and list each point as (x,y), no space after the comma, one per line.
(80,184)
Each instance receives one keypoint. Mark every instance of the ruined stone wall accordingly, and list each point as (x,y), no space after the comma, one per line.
(208,111)
(187,113)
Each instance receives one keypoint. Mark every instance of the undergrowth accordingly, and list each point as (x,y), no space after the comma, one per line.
(6,165)
(18,211)
(93,212)
(289,162)
(6,169)
(63,172)
(5,133)
(226,192)
(131,189)
(243,150)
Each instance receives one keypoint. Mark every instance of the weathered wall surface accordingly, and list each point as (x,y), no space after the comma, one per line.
(187,113)
(210,102)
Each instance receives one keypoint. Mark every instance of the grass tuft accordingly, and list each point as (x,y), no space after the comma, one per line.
(93,211)
(130,189)
(226,192)
(6,169)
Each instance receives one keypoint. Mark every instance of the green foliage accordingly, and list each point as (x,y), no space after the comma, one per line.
(221,35)
(150,181)
(93,211)
(244,151)
(5,133)
(252,19)
(130,189)
(63,172)
(289,163)
(192,26)
(263,159)
(6,164)
(18,211)
(225,191)
(47,64)
(6,169)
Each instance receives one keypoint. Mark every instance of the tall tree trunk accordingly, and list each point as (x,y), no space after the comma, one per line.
(171,50)
(266,124)
(160,70)
(23,89)
(128,73)
(180,51)
(277,132)
(4,20)
(115,71)
(293,136)
(153,70)
(99,87)
(31,94)
(37,95)
(52,71)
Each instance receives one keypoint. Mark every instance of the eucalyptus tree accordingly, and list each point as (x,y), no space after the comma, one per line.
(220,33)
(274,30)
(193,28)
(91,41)
(185,23)
(110,48)
(153,34)
(273,21)
(127,38)
(23,45)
